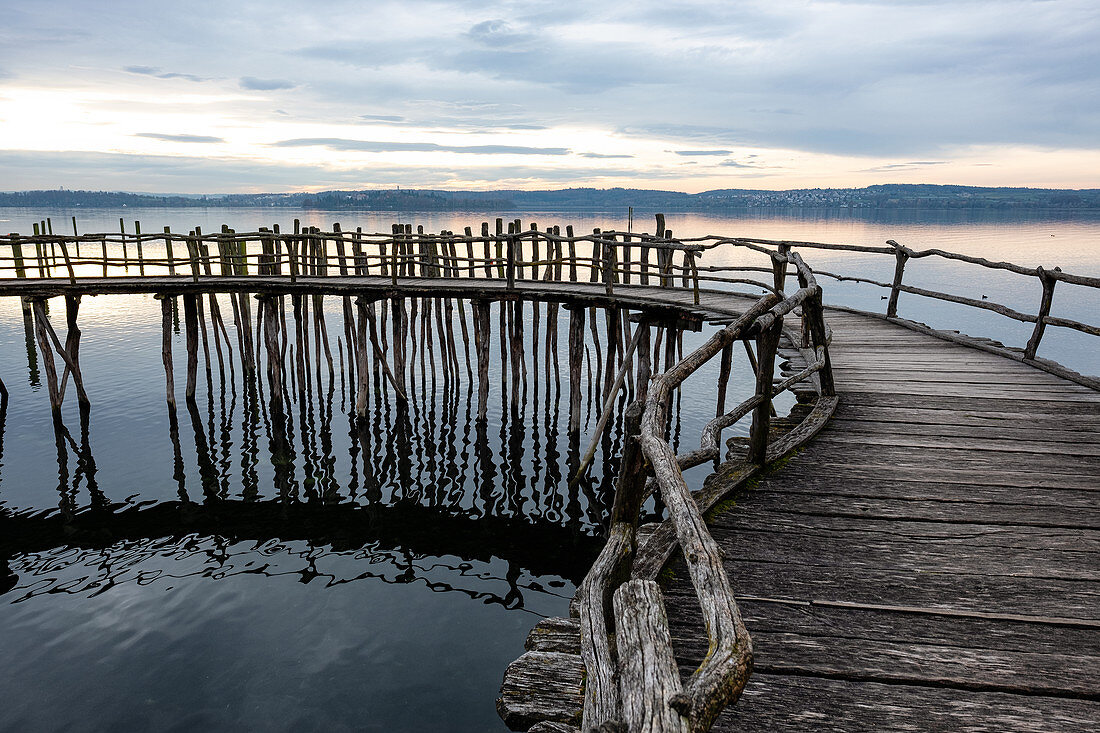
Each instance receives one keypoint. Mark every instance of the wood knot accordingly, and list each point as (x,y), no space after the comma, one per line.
(681,703)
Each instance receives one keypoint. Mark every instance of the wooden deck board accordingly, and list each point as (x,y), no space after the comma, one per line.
(922,563)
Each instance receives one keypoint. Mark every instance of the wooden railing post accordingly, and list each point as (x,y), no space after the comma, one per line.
(597,256)
(572,253)
(1044,311)
(17,255)
(511,257)
(193,255)
(608,265)
(393,259)
(779,268)
(68,262)
(899,268)
(814,311)
(767,343)
(168,251)
(648,676)
(140,252)
(340,252)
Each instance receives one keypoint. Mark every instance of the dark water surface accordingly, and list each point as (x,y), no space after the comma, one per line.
(233,566)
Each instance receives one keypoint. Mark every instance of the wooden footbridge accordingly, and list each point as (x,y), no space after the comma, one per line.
(914,547)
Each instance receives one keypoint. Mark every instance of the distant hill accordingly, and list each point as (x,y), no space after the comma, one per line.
(886,196)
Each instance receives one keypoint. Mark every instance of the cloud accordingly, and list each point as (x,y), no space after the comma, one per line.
(193,174)
(369,146)
(603,155)
(180,138)
(702,152)
(738,164)
(382,118)
(156,72)
(265,85)
(912,165)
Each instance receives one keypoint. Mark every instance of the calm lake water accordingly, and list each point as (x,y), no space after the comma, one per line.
(241,567)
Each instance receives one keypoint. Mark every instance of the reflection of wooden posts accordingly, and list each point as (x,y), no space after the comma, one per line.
(767,342)
(191,326)
(1048,282)
(576,355)
(166,348)
(899,268)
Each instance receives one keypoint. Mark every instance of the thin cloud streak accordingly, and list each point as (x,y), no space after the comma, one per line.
(180,138)
(369,146)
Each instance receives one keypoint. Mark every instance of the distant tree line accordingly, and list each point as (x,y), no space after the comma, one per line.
(880,197)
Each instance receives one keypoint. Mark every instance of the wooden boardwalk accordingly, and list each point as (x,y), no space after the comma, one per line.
(931,561)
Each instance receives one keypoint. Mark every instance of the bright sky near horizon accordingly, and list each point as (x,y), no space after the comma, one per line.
(205,96)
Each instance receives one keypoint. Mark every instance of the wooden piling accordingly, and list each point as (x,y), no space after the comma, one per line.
(190,318)
(38,307)
(166,349)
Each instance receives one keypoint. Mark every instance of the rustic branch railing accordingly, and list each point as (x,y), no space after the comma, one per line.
(1048,278)
(622,620)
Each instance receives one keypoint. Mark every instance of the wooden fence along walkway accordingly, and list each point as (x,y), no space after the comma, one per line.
(928,561)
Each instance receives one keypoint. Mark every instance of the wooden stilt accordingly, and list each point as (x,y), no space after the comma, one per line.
(191,325)
(166,349)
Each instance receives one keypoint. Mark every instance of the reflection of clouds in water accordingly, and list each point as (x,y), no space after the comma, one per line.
(92,572)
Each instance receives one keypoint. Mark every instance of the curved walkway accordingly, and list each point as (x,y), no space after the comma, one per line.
(931,561)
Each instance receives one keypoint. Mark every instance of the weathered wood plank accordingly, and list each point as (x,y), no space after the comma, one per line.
(782,703)
(541,686)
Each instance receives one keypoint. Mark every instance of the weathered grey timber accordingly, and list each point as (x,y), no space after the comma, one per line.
(931,561)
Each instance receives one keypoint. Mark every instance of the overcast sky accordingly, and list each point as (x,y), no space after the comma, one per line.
(197,96)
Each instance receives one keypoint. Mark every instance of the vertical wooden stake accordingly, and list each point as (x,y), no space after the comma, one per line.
(191,324)
(166,348)
(767,344)
(899,268)
(1044,311)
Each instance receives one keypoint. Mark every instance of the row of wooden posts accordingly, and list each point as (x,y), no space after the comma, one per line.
(376,339)
(305,253)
